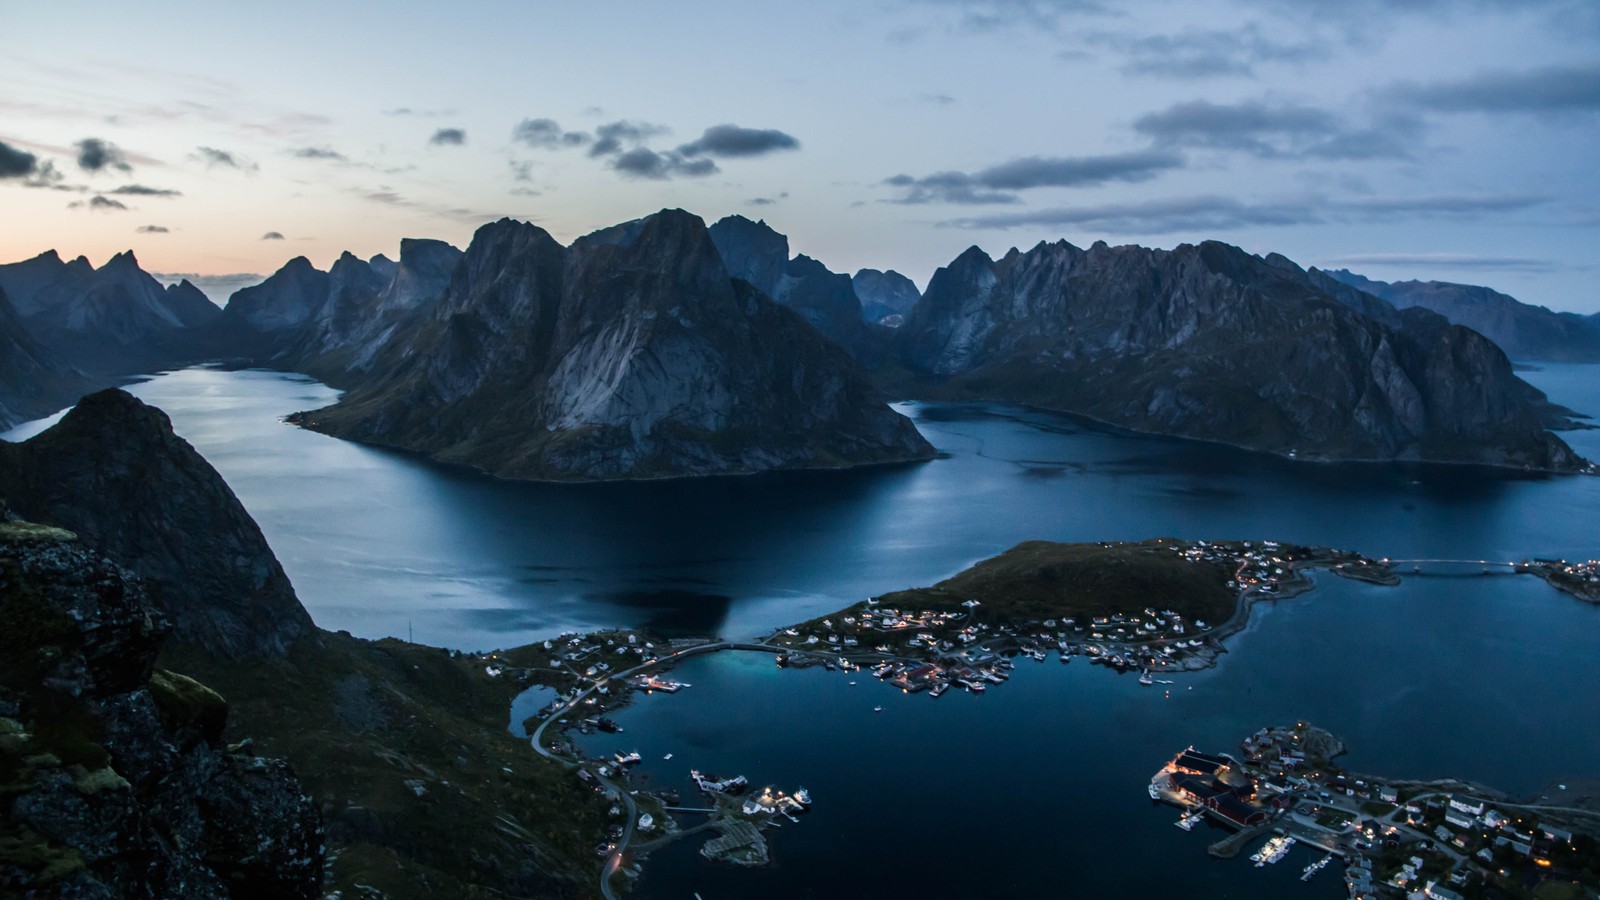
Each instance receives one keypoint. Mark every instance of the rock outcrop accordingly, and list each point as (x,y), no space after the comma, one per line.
(1523,331)
(630,354)
(113,471)
(114,781)
(1207,341)
(108,321)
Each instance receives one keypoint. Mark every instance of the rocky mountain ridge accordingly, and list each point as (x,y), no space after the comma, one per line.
(630,354)
(1523,331)
(1210,342)
(114,320)
(113,471)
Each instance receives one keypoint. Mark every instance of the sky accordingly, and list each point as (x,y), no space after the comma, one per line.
(1434,139)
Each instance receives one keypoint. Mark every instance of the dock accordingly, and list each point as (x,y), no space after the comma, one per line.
(1230,846)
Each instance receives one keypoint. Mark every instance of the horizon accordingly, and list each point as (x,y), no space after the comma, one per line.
(890,136)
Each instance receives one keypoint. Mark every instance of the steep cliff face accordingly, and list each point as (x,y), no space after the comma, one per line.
(631,354)
(112,320)
(114,781)
(753,251)
(1210,342)
(33,381)
(1522,330)
(886,297)
(113,471)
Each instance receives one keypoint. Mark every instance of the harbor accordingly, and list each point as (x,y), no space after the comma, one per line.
(1434,839)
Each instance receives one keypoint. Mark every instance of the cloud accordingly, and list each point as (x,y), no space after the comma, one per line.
(319,153)
(998,184)
(733,140)
(546,134)
(423,113)
(642,162)
(760,201)
(1203,54)
(273,236)
(139,190)
(213,158)
(98,203)
(153,229)
(454,137)
(611,137)
(388,197)
(1277,131)
(1545,90)
(1445,261)
(1214,213)
(96,155)
(937,99)
(16,163)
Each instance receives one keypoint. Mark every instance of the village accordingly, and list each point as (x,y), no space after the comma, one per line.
(971,646)
(1437,840)
(1580,579)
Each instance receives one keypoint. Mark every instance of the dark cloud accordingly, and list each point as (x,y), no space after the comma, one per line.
(139,190)
(733,140)
(153,229)
(760,201)
(453,137)
(96,155)
(642,162)
(1444,261)
(1214,213)
(612,137)
(214,158)
(937,99)
(16,163)
(327,153)
(998,184)
(98,203)
(273,236)
(1277,130)
(996,15)
(1546,90)
(546,134)
(1203,54)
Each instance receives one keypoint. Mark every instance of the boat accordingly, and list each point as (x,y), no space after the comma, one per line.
(804,796)
(939,689)
(1144,677)
(1187,820)
(1155,792)
(1316,867)
(976,687)
(668,756)
(877,709)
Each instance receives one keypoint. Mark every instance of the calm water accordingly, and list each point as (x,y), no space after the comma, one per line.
(1037,782)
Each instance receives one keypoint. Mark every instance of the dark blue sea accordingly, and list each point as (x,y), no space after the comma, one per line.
(1037,786)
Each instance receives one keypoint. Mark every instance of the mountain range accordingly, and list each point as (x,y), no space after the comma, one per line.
(1523,331)
(1208,341)
(662,347)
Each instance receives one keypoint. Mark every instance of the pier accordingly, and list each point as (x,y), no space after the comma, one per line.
(1230,846)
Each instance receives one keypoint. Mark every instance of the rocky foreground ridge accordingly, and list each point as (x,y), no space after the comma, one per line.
(404,748)
(115,780)
(1208,341)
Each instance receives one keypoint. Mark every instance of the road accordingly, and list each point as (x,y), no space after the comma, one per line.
(614,861)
